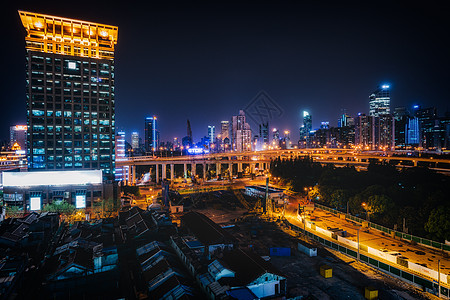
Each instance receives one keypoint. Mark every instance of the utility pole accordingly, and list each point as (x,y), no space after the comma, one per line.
(439,278)
(358,244)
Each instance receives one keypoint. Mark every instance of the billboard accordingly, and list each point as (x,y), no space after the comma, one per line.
(35,203)
(21,179)
(80,201)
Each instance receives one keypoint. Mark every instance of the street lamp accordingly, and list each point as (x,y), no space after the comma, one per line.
(364,205)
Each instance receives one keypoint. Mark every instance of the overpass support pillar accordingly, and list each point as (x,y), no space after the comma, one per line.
(133,175)
(164,171)
(193,169)
(172,175)
(230,169)
(415,163)
(157,173)
(204,170)
(218,169)
(239,167)
(252,168)
(185,170)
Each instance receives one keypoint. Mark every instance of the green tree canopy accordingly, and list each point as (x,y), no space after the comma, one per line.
(60,207)
(438,223)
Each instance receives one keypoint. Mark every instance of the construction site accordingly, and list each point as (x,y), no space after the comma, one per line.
(271,237)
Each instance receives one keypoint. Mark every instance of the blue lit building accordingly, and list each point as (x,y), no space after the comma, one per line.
(121,172)
(211,134)
(413,132)
(305,130)
(151,134)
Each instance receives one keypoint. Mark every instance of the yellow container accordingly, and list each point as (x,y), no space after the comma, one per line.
(326,271)
(370,293)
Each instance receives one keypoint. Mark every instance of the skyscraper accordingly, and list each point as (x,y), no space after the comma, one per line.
(380,101)
(151,134)
(241,133)
(225,129)
(18,134)
(135,140)
(264,133)
(120,153)
(364,134)
(211,133)
(384,132)
(305,130)
(70,93)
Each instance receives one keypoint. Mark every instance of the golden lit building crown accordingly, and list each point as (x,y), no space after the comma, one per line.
(59,35)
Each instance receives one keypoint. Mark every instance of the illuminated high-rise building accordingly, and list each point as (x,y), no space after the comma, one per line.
(264,133)
(225,129)
(380,101)
(364,132)
(241,133)
(305,130)
(151,134)
(70,93)
(211,133)
(121,172)
(135,140)
(18,134)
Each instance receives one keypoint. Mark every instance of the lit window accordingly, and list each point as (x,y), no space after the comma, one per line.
(72,65)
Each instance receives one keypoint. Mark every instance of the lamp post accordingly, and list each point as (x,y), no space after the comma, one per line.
(439,278)
(364,205)
(358,242)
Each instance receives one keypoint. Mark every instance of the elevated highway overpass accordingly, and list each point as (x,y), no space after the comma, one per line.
(260,161)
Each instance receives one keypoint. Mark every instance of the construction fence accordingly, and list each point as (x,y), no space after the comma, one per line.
(404,236)
(426,284)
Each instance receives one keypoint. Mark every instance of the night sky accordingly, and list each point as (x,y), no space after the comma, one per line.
(204,62)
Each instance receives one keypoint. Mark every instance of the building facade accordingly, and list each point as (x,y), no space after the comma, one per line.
(380,101)
(70,93)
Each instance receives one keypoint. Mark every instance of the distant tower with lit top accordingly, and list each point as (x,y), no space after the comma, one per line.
(70,93)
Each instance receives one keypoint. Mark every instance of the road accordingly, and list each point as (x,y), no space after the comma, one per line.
(418,254)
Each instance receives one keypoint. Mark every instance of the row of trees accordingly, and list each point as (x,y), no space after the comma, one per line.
(102,209)
(417,197)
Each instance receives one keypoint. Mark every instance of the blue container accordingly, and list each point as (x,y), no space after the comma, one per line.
(280,251)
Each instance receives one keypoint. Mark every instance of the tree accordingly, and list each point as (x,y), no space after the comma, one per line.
(14,212)
(62,207)
(438,223)
(106,208)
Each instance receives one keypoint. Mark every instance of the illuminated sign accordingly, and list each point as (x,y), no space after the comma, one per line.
(385,86)
(20,152)
(197,151)
(20,179)
(21,127)
(80,201)
(35,203)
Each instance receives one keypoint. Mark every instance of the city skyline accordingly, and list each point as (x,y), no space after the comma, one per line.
(211,72)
